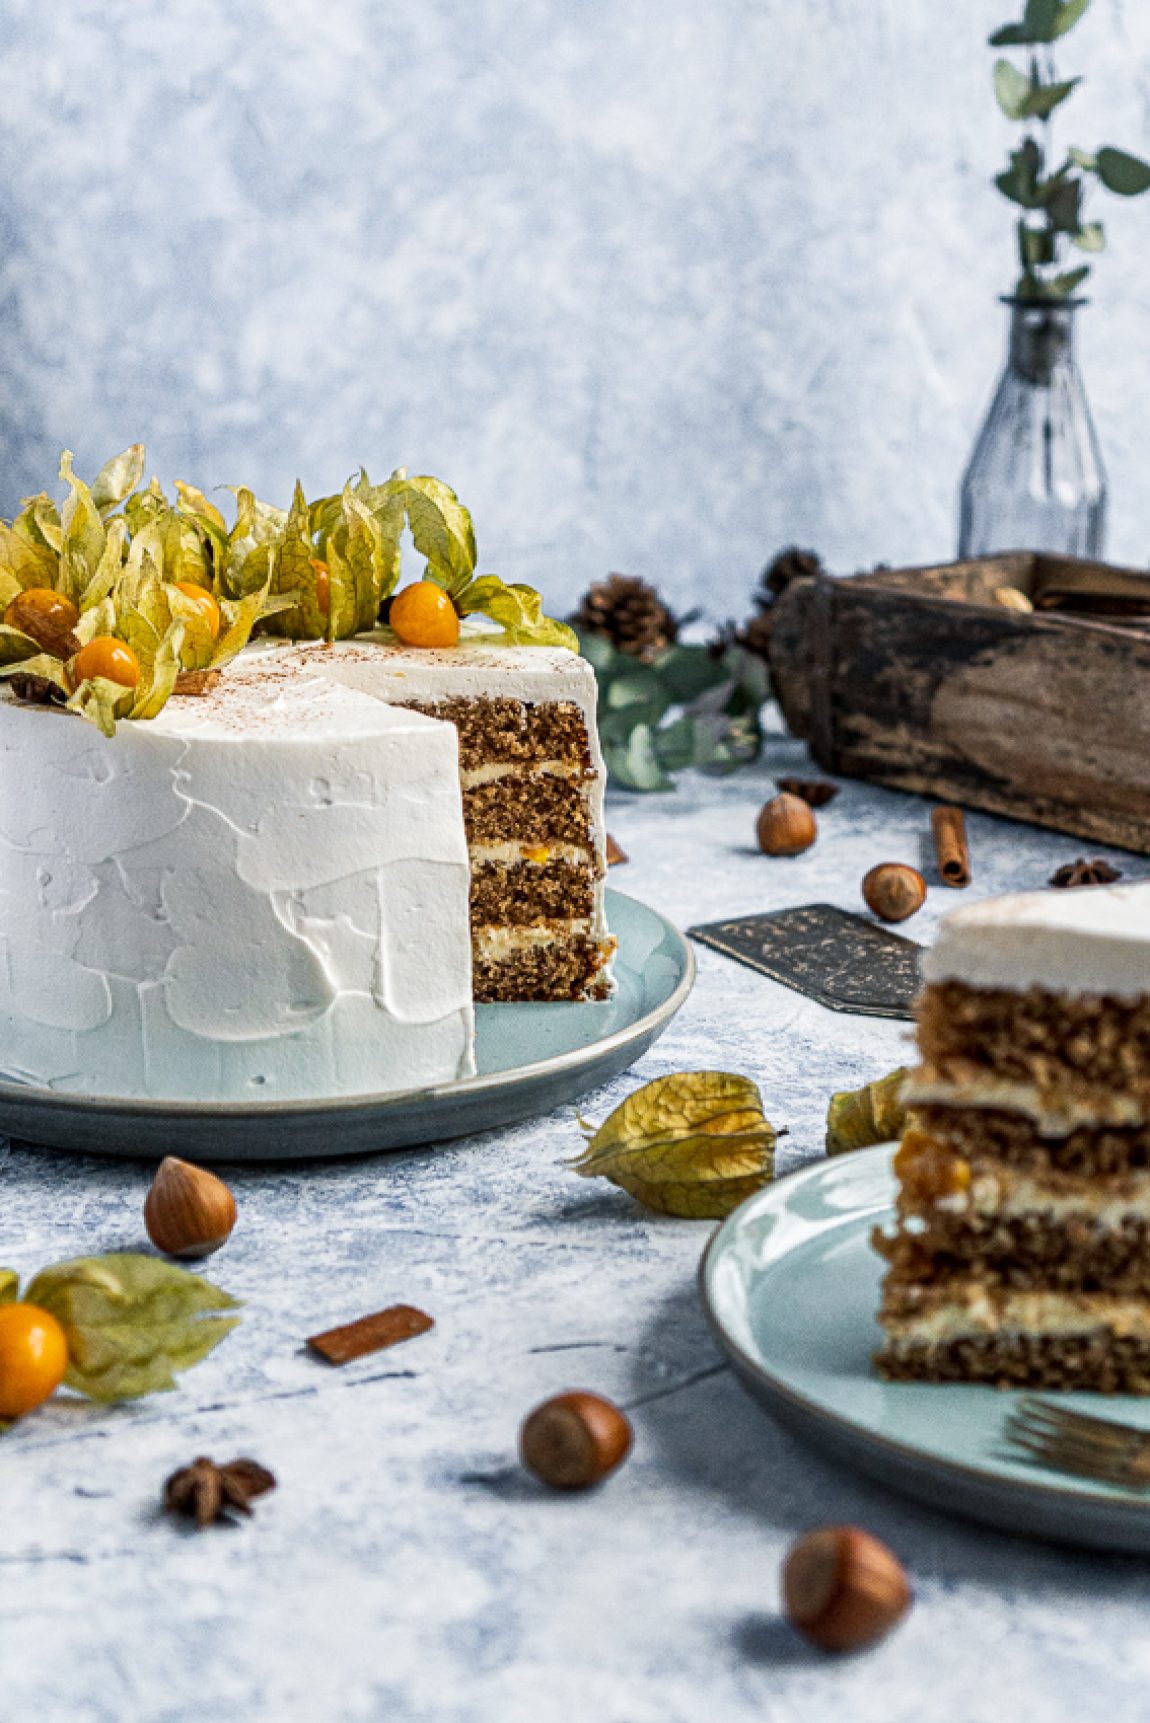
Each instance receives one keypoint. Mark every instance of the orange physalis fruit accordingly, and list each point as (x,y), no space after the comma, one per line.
(106,656)
(206,602)
(38,604)
(423,615)
(322,585)
(33,1358)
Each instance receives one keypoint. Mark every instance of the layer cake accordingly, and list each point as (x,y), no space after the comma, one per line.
(1021,1251)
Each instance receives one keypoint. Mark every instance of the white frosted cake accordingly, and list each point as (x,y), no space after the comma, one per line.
(1021,1254)
(266,891)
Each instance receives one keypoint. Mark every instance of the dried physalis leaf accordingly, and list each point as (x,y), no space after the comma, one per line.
(859,1118)
(131,1321)
(694,1144)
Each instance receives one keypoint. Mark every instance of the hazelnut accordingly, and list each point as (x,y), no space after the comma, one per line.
(187,1211)
(893,891)
(843,1589)
(786,826)
(574,1440)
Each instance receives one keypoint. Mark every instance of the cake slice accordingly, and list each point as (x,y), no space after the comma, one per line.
(532,781)
(1021,1250)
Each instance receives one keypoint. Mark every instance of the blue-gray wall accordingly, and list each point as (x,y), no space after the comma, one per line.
(656,284)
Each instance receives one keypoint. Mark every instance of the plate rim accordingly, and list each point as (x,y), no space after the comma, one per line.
(1124,1506)
(49,1101)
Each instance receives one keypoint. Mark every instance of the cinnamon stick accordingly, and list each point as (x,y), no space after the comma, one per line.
(951,847)
(370,1333)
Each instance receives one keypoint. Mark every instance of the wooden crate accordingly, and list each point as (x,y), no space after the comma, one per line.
(925,680)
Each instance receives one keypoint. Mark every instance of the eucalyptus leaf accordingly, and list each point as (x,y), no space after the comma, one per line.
(634,765)
(1123,173)
(694,1144)
(9,1286)
(1044,98)
(1068,15)
(1091,236)
(131,1322)
(1012,89)
(1068,282)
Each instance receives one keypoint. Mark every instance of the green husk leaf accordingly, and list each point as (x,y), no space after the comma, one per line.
(9,1286)
(16,647)
(240,617)
(292,573)
(108,569)
(694,1145)
(40,519)
(251,543)
(42,664)
(1068,15)
(195,505)
(1120,172)
(117,478)
(517,609)
(101,702)
(131,1322)
(859,1118)
(83,534)
(440,526)
(24,562)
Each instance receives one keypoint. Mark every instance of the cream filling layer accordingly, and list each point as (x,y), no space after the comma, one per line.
(975,1311)
(1053,1115)
(499,943)
(1009,1194)
(509,852)
(491,771)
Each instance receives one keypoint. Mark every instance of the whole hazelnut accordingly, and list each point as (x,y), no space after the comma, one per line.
(786,826)
(843,1589)
(574,1440)
(893,891)
(187,1211)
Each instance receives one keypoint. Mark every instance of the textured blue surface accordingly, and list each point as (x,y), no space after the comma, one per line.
(406,1569)
(656,286)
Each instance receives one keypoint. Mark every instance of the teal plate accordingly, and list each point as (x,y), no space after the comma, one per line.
(531,1058)
(791,1286)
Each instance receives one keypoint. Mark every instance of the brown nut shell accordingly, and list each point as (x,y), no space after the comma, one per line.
(786,826)
(893,891)
(844,1589)
(574,1440)
(188,1211)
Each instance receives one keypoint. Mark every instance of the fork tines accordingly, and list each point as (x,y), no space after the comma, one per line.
(1068,1441)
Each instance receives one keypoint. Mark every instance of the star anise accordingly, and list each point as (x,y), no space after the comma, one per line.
(816,792)
(206,1492)
(1083,872)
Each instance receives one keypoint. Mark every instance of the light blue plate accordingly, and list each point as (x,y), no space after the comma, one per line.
(791,1286)
(531,1059)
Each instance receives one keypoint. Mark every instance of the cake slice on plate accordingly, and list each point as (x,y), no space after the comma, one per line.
(1021,1252)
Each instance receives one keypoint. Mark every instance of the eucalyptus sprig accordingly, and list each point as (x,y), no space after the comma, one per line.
(1052,199)
(689,706)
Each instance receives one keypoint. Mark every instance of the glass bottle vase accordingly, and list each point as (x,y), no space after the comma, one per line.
(1035,479)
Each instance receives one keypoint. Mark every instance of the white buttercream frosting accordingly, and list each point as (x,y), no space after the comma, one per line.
(975,1309)
(1090,941)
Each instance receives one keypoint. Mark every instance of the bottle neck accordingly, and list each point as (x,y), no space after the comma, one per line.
(1041,340)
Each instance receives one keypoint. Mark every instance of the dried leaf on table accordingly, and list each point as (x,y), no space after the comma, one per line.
(694,1144)
(860,1118)
(131,1321)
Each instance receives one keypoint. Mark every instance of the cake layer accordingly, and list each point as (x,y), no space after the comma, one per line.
(1097,1362)
(1053,1113)
(1016,1138)
(530,891)
(530,810)
(1066,1046)
(493,730)
(1090,942)
(1030,1251)
(548,961)
(260,894)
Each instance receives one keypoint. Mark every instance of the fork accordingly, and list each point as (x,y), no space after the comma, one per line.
(1099,1448)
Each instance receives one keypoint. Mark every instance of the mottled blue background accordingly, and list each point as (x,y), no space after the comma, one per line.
(656,285)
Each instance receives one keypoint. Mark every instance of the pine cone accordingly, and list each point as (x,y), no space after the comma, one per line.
(630,614)
(790,564)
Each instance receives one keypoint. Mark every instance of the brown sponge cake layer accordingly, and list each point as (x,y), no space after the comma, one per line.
(529,891)
(1092,1151)
(1029,1252)
(570,967)
(514,731)
(1061,1043)
(1101,1361)
(531,810)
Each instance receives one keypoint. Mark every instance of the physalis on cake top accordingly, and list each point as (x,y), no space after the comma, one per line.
(110,600)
